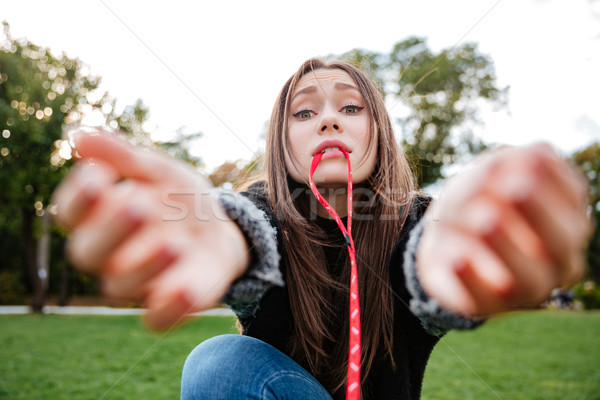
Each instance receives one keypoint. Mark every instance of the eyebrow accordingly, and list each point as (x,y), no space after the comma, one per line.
(345,86)
(306,90)
(313,89)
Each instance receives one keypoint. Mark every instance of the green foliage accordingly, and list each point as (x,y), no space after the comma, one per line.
(12,290)
(371,63)
(131,121)
(40,95)
(178,147)
(11,244)
(588,293)
(588,161)
(441,93)
(232,174)
(39,92)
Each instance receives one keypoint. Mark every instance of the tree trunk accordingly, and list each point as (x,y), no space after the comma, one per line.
(43,259)
(37,300)
(63,290)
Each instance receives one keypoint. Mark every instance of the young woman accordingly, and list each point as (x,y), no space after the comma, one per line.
(283,252)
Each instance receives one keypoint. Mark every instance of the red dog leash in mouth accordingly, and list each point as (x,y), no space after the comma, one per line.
(353,384)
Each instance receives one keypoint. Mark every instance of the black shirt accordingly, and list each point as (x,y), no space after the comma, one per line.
(272,321)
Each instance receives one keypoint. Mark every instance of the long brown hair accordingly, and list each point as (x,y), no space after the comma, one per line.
(320,317)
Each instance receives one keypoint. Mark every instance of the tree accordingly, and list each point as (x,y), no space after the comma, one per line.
(38,94)
(441,92)
(179,145)
(588,161)
(231,174)
(131,122)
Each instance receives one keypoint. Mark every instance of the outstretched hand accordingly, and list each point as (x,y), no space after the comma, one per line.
(505,233)
(148,227)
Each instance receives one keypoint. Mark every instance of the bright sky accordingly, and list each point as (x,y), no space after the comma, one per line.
(217,66)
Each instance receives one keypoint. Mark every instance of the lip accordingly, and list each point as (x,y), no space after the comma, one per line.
(331,143)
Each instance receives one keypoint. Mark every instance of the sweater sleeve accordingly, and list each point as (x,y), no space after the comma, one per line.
(435,319)
(261,235)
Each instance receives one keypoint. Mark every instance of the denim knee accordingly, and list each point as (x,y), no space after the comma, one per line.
(242,367)
(210,365)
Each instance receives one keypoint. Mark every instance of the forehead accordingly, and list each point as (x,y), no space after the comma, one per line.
(324,77)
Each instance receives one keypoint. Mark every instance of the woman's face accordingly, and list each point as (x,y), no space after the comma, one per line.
(328,113)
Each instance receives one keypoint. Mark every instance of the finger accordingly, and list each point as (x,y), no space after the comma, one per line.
(520,249)
(483,274)
(449,291)
(145,254)
(569,181)
(114,218)
(179,291)
(467,277)
(191,284)
(461,189)
(486,298)
(80,191)
(129,161)
(170,310)
(561,226)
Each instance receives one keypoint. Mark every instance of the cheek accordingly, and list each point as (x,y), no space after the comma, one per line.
(366,166)
(291,150)
(298,146)
(370,156)
(289,165)
(291,162)
(372,160)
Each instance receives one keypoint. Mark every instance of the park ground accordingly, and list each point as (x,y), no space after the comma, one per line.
(526,355)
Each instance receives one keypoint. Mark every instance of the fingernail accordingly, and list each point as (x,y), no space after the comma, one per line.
(91,191)
(167,253)
(136,214)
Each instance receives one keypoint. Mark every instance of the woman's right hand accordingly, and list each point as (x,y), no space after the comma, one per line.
(147,226)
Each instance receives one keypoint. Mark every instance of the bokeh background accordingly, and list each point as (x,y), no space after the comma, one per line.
(199,80)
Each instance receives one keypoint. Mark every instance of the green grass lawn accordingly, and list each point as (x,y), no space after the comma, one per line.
(96,357)
(533,355)
(541,355)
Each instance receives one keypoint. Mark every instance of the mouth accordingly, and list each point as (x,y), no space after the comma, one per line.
(331,146)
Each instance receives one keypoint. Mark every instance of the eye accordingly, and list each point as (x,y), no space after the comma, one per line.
(304,114)
(351,109)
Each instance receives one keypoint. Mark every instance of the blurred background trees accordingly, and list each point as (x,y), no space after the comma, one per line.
(439,93)
(40,95)
(588,161)
(434,95)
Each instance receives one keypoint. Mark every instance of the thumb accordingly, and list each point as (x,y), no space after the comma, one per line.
(129,161)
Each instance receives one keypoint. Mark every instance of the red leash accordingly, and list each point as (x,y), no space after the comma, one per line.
(353,385)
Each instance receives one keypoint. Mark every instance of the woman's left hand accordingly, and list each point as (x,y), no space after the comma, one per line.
(505,233)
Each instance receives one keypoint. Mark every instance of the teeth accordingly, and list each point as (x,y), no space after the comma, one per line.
(330,149)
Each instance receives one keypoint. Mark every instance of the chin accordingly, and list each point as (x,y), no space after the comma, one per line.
(331,179)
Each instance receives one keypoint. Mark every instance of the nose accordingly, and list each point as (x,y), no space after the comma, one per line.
(330,122)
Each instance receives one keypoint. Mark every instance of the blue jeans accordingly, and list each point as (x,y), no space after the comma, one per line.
(241,367)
